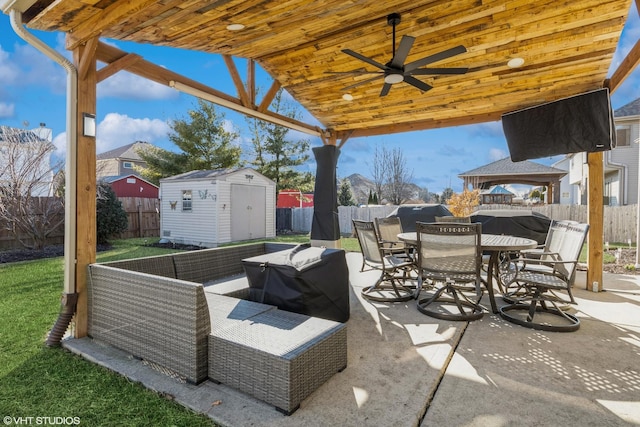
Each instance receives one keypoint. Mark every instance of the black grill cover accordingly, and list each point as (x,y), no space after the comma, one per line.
(571,125)
(306,280)
(409,214)
(521,223)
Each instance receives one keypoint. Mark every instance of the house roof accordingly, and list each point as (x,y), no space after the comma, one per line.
(498,189)
(630,109)
(567,49)
(127,152)
(113,178)
(214,174)
(507,167)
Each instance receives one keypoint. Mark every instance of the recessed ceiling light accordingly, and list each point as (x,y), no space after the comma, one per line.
(515,62)
(235,27)
(347,97)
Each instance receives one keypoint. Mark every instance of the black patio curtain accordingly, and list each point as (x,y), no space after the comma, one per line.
(325,225)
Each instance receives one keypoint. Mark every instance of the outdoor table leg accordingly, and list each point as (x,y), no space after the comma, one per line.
(493,265)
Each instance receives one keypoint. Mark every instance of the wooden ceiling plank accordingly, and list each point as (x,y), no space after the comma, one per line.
(119,64)
(626,67)
(237,81)
(97,23)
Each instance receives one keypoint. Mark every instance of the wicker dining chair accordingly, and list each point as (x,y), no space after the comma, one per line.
(391,286)
(545,279)
(450,258)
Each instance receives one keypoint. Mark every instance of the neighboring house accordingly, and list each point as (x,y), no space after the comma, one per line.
(30,155)
(132,186)
(620,164)
(294,199)
(497,195)
(121,160)
(207,208)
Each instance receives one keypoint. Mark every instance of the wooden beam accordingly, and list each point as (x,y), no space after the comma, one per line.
(151,71)
(344,137)
(268,97)
(85,187)
(595,218)
(88,58)
(117,65)
(237,81)
(628,64)
(251,81)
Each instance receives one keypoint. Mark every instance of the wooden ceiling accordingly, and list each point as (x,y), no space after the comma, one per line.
(567,46)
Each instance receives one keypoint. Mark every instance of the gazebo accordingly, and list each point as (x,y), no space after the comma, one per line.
(341,61)
(505,171)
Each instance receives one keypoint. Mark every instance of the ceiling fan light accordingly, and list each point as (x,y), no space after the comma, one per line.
(393,78)
(235,27)
(347,97)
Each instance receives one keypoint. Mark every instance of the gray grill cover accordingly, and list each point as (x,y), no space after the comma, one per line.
(306,280)
(409,214)
(521,223)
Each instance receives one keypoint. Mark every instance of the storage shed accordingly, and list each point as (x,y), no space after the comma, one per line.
(207,208)
(131,186)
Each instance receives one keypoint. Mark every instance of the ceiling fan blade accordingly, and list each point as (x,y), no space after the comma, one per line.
(417,83)
(364,58)
(362,82)
(402,52)
(437,71)
(385,89)
(435,57)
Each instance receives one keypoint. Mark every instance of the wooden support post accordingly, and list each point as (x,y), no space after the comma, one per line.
(595,205)
(86,185)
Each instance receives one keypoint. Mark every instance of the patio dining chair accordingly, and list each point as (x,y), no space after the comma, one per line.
(450,258)
(391,286)
(545,279)
(388,230)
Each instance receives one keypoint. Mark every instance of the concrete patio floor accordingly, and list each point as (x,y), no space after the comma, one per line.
(407,369)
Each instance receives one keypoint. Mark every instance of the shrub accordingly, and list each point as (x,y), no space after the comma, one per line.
(110,215)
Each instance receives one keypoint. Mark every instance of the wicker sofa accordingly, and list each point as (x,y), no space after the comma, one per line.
(182,312)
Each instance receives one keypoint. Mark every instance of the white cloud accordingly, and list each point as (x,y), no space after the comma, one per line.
(38,69)
(60,142)
(6,110)
(9,72)
(117,130)
(125,85)
(496,154)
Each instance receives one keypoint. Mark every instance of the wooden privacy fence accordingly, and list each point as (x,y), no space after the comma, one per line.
(143,215)
(619,221)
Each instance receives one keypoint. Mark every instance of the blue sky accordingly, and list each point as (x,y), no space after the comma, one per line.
(33,91)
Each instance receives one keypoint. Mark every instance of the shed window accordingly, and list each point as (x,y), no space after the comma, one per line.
(186,200)
(623,136)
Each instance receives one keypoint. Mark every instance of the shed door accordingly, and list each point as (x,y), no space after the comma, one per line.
(248,215)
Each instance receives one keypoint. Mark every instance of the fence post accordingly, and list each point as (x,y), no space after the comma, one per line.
(140,230)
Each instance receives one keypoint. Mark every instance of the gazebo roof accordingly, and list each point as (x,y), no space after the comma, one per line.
(567,48)
(507,172)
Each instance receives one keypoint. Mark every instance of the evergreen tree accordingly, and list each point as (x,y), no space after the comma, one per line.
(446,195)
(375,199)
(203,141)
(345,194)
(275,155)
(110,215)
(370,199)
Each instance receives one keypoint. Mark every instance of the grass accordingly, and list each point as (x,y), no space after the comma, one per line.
(37,381)
(608,257)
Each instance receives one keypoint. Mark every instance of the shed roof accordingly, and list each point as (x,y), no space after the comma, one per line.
(214,174)
(113,178)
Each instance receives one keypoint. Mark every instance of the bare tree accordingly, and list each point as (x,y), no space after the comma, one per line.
(28,209)
(398,177)
(379,169)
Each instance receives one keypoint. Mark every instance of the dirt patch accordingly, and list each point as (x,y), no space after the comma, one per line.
(625,263)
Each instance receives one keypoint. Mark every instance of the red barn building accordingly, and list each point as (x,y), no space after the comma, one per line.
(294,199)
(131,186)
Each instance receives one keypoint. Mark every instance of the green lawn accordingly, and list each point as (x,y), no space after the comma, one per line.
(36,381)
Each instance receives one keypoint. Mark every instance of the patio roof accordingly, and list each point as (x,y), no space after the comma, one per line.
(567,49)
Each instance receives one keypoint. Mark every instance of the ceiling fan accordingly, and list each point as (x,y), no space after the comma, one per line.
(396,71)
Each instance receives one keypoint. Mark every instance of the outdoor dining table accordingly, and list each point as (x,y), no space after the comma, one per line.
(495,244)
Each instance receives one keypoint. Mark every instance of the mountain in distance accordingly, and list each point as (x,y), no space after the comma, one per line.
(361,185)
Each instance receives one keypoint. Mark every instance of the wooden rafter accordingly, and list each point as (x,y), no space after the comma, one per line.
(251,81)
(628,64)
(237,81)
(88,58)
(109,54)
(268,97)
(117,65)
